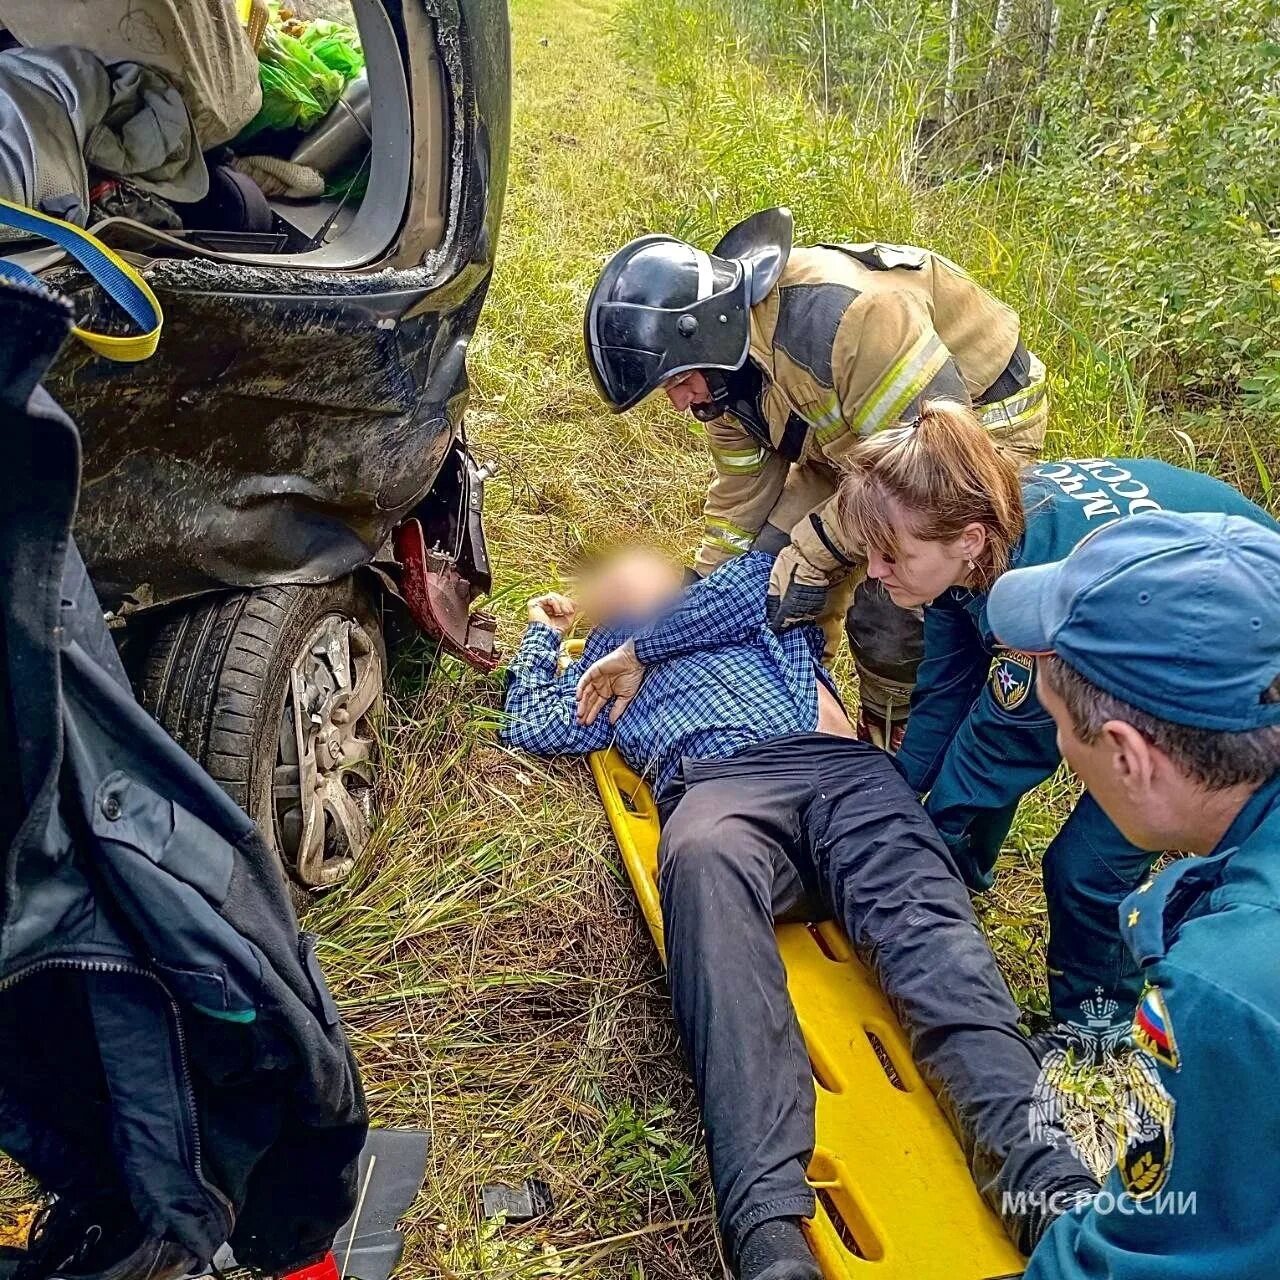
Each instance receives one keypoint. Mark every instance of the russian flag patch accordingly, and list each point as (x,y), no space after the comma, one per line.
(1152,1030)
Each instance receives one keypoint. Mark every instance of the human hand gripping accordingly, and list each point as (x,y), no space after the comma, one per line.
(797,591)
(553,610)
(617,675)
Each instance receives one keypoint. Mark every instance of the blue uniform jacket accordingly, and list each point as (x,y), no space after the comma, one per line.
(1193,1196)
(978,739)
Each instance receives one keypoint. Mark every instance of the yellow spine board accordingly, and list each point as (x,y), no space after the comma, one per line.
(895,1197)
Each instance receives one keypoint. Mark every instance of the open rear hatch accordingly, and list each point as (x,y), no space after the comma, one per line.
(321,173)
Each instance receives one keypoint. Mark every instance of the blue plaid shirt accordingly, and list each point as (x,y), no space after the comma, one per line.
(718,680)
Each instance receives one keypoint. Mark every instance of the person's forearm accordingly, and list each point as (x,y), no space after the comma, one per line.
(987,768)
(821,539)
(724,608)
(948,683)
(539,710)
(935,719)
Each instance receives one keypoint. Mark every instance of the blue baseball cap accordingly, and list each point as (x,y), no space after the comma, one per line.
(1178,615)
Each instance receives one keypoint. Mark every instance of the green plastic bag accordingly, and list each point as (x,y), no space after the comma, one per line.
(297,88)
(336,45)
(303,68)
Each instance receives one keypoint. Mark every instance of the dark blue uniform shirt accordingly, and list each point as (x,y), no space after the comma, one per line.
(978,738)
(1194,1195)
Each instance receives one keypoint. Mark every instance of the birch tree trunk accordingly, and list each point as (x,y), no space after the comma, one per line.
(999,38)
(1091,41)
(1051,17)
(1055,25)
(1004,18)
(950,108)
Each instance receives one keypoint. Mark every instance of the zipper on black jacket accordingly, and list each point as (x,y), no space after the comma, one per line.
(184,1063)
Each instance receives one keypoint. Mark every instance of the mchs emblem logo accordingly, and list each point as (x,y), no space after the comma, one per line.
(1140,1119)
(1145,1141)
(1012,678)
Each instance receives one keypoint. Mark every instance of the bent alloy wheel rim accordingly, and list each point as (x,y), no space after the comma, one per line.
(323,785)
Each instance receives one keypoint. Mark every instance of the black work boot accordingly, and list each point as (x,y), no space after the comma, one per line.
(67,1230)
(150,1259)
(97,1239)
(777,1250)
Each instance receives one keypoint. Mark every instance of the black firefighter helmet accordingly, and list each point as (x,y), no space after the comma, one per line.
(663,307)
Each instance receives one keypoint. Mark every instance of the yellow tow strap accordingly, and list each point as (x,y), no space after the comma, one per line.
(122,282)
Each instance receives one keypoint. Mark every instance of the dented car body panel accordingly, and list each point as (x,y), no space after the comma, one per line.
(292,417)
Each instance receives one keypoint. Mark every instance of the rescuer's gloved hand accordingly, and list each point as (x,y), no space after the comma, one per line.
(797,591)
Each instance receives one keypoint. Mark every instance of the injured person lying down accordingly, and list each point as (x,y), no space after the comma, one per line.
(772,810)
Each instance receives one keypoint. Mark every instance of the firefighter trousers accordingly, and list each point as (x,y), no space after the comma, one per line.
(806,828)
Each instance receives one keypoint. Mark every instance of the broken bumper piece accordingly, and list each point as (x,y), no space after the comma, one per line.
(444,563)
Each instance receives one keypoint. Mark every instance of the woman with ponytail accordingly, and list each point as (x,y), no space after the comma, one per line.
(940,513)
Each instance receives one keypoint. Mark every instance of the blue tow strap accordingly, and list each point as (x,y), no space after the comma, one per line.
(121,282)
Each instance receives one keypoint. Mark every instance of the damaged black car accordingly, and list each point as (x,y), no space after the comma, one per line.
(290,467)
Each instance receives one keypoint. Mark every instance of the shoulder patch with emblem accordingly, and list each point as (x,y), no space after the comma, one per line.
(1152,1030)
(1145,1147)
(1012,678)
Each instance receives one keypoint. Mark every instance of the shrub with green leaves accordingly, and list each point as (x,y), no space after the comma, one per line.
(1111,170)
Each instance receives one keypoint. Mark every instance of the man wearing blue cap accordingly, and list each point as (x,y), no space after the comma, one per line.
(1159,660)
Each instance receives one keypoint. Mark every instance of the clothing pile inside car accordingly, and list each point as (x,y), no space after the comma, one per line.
(224,127)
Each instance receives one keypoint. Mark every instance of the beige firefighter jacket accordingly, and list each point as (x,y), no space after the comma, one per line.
(851,340)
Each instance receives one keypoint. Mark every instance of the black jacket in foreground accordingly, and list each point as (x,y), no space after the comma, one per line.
(164,1029)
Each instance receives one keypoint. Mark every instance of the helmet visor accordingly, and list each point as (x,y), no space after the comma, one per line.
(632,349)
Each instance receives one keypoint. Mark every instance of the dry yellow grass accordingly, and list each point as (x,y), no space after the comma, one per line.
(499,987)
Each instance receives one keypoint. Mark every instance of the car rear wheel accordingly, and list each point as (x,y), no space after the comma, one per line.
(276,693)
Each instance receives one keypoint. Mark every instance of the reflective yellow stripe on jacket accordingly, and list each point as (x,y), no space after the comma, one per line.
(1018,409)
(727,536)
(907,378)
(1018,422)
(827,419)
(739,462)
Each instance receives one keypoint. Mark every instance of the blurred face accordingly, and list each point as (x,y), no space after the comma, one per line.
(919,571)
(687,390)
(629,584)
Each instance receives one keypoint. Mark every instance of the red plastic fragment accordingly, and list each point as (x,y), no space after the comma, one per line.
(438,597)
(325,1269)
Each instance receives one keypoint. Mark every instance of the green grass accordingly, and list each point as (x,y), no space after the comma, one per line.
(735,124)
(488,955)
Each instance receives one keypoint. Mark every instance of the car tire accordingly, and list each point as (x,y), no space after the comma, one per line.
(276,692)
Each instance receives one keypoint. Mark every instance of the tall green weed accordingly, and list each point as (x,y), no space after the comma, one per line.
(1121,206)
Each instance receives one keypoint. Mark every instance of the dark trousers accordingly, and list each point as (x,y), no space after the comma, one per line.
(805,828)
(1089,870)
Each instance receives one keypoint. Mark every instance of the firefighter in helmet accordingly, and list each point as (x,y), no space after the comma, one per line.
(788,356)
